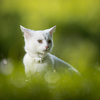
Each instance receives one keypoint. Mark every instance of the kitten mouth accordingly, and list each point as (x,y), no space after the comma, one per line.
(46,50)
(43,52)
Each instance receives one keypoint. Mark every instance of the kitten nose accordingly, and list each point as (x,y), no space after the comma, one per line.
(46,47)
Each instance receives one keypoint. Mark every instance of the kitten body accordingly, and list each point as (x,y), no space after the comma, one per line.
(38,59)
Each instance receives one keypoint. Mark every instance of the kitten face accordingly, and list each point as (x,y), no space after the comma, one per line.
(38,41)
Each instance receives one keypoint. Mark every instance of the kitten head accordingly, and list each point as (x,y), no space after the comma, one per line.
(38,41)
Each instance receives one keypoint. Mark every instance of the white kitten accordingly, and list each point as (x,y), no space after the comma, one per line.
(38,44)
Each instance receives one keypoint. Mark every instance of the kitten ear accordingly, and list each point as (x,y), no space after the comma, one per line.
(52,30)
(27,32)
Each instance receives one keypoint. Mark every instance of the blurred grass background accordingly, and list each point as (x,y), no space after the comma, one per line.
(76,40)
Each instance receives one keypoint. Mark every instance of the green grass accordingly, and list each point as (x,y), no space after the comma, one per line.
(51,86)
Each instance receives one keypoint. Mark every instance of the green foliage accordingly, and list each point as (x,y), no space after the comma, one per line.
(77,21)
(51,85)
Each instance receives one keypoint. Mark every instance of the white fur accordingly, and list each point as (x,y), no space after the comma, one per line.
(37,58)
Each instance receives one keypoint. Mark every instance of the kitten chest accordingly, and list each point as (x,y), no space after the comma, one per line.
(40,66)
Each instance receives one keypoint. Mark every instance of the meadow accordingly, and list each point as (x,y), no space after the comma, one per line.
(76,41)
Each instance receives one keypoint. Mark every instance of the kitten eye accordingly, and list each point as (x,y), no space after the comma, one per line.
(49,41)
(39,41)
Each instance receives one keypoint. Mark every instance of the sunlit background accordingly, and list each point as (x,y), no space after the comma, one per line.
(76,40)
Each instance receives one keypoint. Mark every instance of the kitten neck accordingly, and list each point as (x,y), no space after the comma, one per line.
(36,54)
(37,58)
